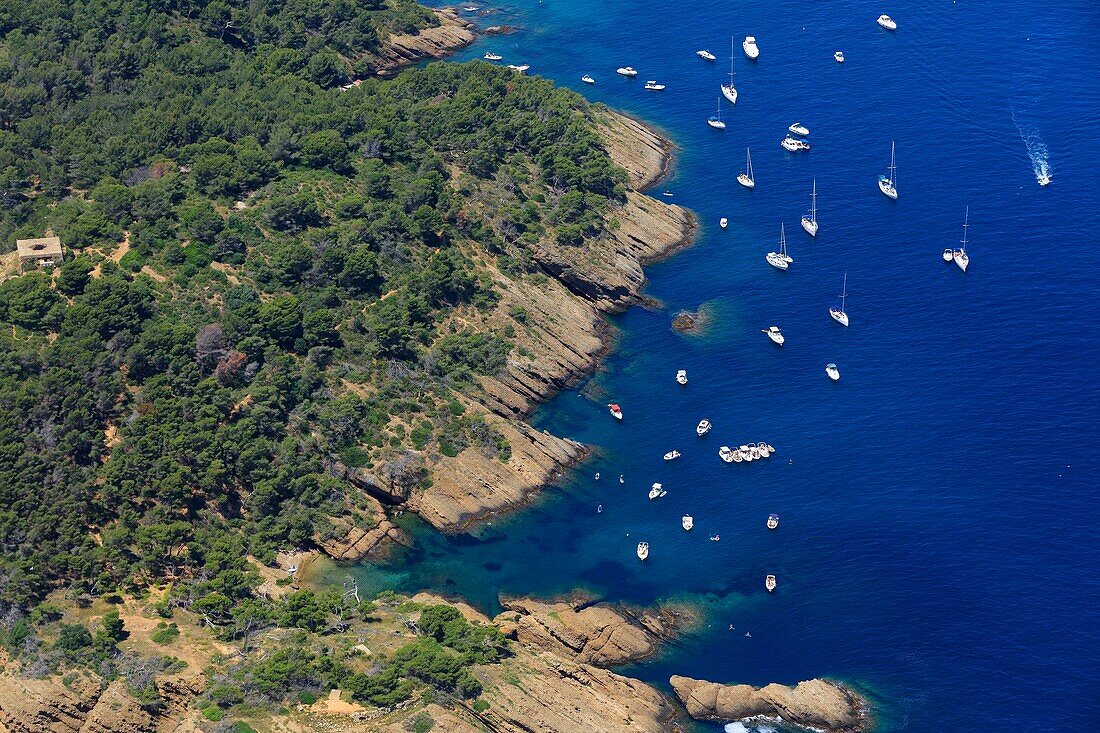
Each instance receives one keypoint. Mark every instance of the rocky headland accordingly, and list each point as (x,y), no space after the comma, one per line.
(403,50)
(817,704)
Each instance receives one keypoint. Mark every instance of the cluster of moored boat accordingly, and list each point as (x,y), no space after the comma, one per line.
(746,453)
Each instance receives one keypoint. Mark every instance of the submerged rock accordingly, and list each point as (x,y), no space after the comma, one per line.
(816,703)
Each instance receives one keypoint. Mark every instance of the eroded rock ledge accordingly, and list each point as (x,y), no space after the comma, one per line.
(451,34)
(602,635)
(815,703)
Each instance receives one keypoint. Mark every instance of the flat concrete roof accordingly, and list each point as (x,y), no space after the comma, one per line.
(41,247)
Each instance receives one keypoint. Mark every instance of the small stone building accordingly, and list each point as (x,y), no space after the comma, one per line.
(41,252)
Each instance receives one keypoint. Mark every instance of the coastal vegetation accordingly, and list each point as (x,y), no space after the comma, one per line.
(266,275)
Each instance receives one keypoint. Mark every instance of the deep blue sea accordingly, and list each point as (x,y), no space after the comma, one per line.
(938,505)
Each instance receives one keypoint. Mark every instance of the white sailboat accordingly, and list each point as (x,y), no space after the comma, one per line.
(746,178)
(838,314)
(809,221)
(780,260)
(962,259)
(728,90)
(715,120)
(888,184)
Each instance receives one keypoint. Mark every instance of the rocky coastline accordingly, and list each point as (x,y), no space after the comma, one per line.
(397,52)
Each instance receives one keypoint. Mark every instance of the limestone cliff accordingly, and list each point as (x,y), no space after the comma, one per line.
(602,635)
(400,51)
(815,703)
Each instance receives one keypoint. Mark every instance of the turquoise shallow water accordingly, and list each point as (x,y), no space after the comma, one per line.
(938,503)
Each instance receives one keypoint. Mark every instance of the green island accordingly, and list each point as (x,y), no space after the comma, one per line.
(255,298)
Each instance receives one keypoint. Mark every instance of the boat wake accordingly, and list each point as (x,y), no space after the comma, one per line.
(1036,149)
(752,727)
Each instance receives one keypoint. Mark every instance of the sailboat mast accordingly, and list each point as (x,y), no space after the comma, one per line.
(844,291)
(731,59)
(813,203)
(893,168)
(966,224)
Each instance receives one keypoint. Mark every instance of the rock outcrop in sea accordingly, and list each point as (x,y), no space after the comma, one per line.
(817,704)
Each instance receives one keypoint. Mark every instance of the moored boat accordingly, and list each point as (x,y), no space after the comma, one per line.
(809,220)
(656,491)
(672,455)
(726,454)
(774,334)
(626,71)
(723,222)
(705,55)
(654,86)
(839,314)
(888,183)
(490,56)
(887,22)
(615,411)
(746,178)
(770,583)
(780,260)
(715,120)
(687,522)
(588,79)
(682,376)
(839,56)
(794,145)
(750,47)
(643,550)
(703,427)
(962,259)
(728,90)
(519,69)
(799,129)
(773,521)
(832,372)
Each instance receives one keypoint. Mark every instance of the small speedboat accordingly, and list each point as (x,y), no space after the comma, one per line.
(794,145)
(656,491)
(833,372)
(616,411)
(1044,179)
(746,453)
(755,452)
(769,582)
(774,334)
(490,56)
(839,56)
(765,449)
(715,538)
(681,377)
(887,22)
(672,455)
(654,86)
(520,69)
(687,522)
(750,47)
(703,427)
(471,8)
(643,550)
(626,71)
(726,454)
(773,521)
(588,79)
(948,254)
(799,129)
(723,222)
(705,55)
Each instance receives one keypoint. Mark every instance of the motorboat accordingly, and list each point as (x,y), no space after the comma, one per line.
(746,178)
(654,86)
(794,145)
(705,55)
(809,220)
(765,449)
(839,314)
(887,22)
(962,259)
(588,79)
(616,411)
(799,129)
(948,254)
(771,448)
(681,377)
(626,71)
(780,260)
(715,120)
(490,56)
(755,452)
(833,372)
(839,56)
(471,8)
(687,522)
(715,538)
(643,550)
(729,91)
(726,454)
(703,427)
(520,69)
(774,334)
(672,455)
(769,582)
(745,453)
(1044,179)
(723,222)
(888,183)
(773,521)
(656,491)
(751,49)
